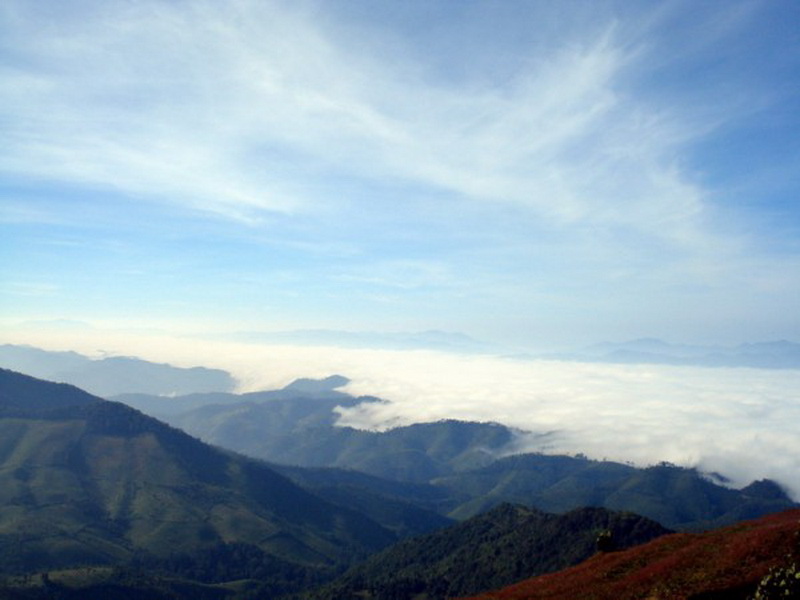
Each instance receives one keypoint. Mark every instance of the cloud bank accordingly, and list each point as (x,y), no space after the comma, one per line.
(739,422)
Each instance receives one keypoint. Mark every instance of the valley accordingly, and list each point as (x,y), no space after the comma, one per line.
(277,500)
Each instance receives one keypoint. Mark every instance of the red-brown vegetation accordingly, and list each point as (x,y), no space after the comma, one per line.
(725,563)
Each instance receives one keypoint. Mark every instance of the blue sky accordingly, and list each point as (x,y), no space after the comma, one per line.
(529,173)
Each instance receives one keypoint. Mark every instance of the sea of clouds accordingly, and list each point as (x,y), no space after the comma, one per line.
(741,423)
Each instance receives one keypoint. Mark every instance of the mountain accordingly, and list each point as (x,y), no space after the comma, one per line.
(507,544)
(468,467)
(297,426)
(425,495)
(86,482)
(113,375)
(780,354)
(407,509)
(309,390)
(677,497)
(754,559)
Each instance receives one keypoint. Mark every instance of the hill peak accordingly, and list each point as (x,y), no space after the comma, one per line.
(317,386)
(19,391)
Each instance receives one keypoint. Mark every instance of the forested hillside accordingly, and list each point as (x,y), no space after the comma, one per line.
(86,482)
(496,548)
(754,559)
(97,498)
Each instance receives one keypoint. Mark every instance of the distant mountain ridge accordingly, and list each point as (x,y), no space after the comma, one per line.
(113,375)
(314,391)
(677,497)
(781,354)
(297,426)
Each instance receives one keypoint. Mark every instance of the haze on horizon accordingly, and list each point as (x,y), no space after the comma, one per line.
(531,174)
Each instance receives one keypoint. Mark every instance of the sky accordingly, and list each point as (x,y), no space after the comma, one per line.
(534,174)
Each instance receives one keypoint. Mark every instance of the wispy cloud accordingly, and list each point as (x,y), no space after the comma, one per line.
(532,169)
(202,104)
(401,274)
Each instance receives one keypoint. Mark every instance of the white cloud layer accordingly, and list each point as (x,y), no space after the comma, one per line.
(741,423)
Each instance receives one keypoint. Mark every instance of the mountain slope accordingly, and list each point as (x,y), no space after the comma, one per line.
(85,481)
(504,545)
(296,426)
(406,509)
(676,497)
(725,563)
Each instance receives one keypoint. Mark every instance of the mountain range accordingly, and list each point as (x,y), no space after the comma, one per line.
(779,354)
(114,374)
(88,482)
(105,501)
(98,500)
(457,468)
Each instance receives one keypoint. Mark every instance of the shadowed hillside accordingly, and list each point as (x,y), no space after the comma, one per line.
(504,545)
(87,482)
(677,497)
(727,563)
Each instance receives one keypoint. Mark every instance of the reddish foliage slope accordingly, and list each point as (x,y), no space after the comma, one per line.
(727,562)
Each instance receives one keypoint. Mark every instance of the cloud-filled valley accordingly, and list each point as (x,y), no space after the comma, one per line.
(740,423)
(462,207)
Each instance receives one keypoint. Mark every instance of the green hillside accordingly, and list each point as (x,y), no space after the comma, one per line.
(496,548)
(298,428)
(86,482)
(676,497)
